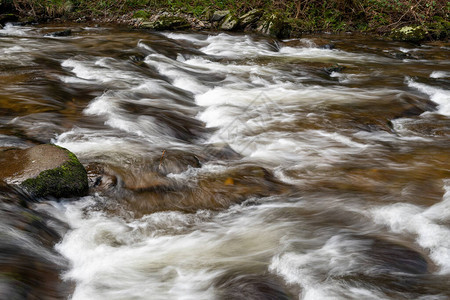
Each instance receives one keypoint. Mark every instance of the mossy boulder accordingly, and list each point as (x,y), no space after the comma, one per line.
(439,29)
(275,25)
(44,170)
(230,22)
(167,22)
(409,34)
(250,18)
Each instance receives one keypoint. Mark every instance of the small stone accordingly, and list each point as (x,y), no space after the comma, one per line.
(167,22)
(218,15)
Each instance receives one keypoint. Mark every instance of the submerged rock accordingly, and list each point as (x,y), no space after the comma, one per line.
(335,68)
(327,47)
(409,34)
(147,192)
(394,257)
(66,32)
(44,170)
(251,287)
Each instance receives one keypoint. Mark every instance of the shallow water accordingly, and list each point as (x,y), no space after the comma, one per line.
(231,166)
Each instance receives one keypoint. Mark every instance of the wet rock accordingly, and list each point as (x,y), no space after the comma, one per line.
(29,265)
(219,152)
(8,18)
(44,170)
(394,267)
(404,55)
(167,22)
(409,34)
(433,125)
(372,116)
(141,175)
(230,22)
(275,25)
(66,32)
(202,191)
(30,271)
(395,257)
(250,287)
(218,15)
(413,106)
(335,68)
(251,18)
(327,47)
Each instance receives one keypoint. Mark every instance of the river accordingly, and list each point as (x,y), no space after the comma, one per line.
(233,166)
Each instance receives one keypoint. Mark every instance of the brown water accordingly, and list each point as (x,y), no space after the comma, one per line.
(229,166)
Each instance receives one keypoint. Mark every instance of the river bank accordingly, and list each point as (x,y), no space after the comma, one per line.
(399,20)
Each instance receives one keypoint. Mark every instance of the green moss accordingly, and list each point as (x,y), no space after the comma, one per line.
(335,15)
(276,25)
(409,34)
(68,180)
(439,29)
(144,14)
(230,22)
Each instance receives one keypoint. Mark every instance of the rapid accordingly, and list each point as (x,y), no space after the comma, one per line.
(234,166)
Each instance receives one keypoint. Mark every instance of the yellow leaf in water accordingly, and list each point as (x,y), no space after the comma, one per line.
(229,181)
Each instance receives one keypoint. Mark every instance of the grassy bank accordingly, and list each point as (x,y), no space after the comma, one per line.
(304,16)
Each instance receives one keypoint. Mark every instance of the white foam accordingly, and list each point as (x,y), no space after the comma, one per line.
(423,222)
(174,70)
(11,30)
(241,46)
(312,269)
(437,95)
(166,254)
(104,70)
(197,39)
(440,74)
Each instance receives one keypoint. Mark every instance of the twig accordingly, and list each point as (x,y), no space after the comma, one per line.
(163,156)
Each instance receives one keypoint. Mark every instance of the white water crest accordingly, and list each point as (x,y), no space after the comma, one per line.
(424,223)
(437,95)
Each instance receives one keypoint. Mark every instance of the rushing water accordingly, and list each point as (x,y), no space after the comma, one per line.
(230,166)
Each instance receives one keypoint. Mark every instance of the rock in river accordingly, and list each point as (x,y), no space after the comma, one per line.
(44,170)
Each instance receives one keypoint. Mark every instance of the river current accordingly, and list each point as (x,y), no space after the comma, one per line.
(235,166)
